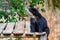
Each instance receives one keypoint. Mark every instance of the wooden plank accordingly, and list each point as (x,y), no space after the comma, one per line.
(2,26)
(9,28)
(28,29)
(27,38)
(43,37)
(42,33)
(7,38)
(19,28)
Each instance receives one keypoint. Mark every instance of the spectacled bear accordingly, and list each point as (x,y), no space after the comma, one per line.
(39,23)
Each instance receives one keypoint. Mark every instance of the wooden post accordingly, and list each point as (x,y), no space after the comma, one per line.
(43,37)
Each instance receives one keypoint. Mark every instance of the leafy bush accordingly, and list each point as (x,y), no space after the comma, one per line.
(8,17)
(35,2)
(18,8)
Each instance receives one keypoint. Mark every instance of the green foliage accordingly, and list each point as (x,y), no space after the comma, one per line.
(8,17)
(10,38)
(3,14)
(1,4)
(19,7)
(11,19)
(19,38)
(1,21)
(43,10)
(35,2)
(16,4)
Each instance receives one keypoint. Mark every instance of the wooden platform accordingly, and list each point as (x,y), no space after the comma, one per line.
(19,29)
